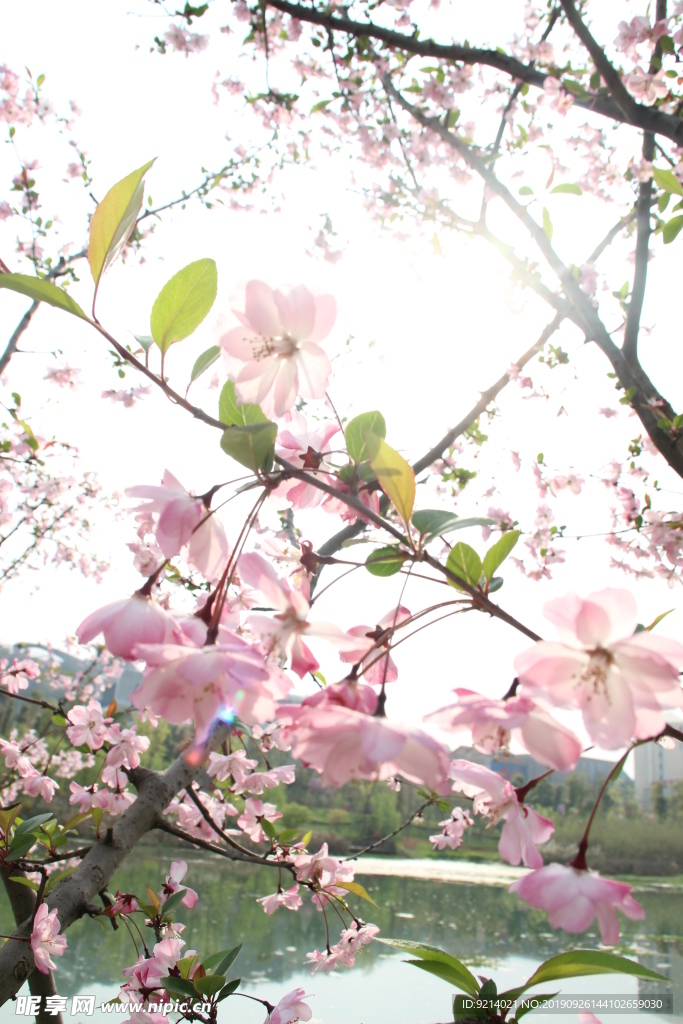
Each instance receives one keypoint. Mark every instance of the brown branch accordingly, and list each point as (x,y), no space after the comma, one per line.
(626,103)
(22,900)
(644,224)
(72,897)
(384,839)
(647,118)
(173,830)
(16,334)
(645,399)
(194,797)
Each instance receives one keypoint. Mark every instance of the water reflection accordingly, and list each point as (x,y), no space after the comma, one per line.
(478,922)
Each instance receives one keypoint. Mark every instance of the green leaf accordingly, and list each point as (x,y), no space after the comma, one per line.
(358,890)
(179,987)
(204,361)
(144,340)
(395,475)
(113,221)
(526,191)
(385,561)
(581,962)
(210,985)
(24,881)
(495,584)
(533,1003)
(498,552)
(289,835)
(667,180)
(183,303)
(234,415)
(465,980)
(669,232)
(465,563)
(30,823)
(59,720)
(356,430)
(547,224)
(41,291)
(567,188)
(172,902)
(20,845)
(432,523)
(229,989)
(228,959)
(250,445)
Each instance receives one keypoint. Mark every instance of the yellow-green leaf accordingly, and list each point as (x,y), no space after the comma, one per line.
(41,291)
(395,475)
(668,181)
(113,221)
(250,445)
(465,563)
(498,552)
(183,303)
(358,890)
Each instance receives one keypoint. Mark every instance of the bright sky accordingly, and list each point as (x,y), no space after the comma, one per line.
(429,331)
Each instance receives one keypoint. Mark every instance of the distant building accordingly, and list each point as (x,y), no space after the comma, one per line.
(654,763)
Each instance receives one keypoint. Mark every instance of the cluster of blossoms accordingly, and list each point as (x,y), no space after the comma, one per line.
(45,509)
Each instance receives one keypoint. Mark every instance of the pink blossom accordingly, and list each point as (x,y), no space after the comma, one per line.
(125,624)
(321,869)
(275,352)
(255,811)
(15,758)
(342,744)
(236,764)
(289,899)
(497,800)
(64,377)
(199,683)
(283,633)
(493,723)
(574,898)
(6,210)
(453,830)
(290,1009)
(184,519)
(168,952)
(622,681)
(258,781)
(172,884)
(125,903)
(88,725)
(646,87)
(144,974)
(607,412)
(379,670)
(184,41)
(126,747)
(304,449)
(89,797)
(40,785)
(46,941)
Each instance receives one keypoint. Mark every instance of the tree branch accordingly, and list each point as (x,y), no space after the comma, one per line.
(647,118)
(643,231)
(72,897)
(18,331)
(22,900)
(645,399)
(609,73)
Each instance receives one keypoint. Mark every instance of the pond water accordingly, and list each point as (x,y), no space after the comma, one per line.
(458,906)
